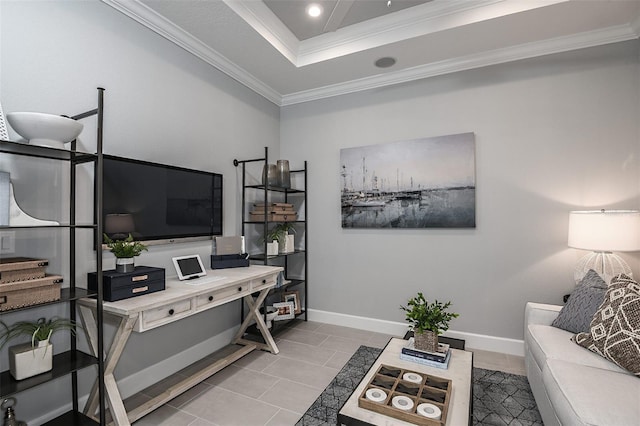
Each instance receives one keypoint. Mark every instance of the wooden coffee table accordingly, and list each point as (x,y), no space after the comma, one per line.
(459,372)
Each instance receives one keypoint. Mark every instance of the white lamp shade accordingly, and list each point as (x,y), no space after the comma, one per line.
(605,230)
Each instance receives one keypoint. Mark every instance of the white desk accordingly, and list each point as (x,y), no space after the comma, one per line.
(179,300)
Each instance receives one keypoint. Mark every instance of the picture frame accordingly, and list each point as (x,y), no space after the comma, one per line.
(286,310)
(293,296)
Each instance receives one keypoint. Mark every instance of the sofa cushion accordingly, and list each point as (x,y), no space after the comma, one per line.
(614,332)
(576,315)
(546,342)
(582,395)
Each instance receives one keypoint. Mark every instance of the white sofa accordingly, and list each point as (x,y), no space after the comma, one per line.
(572,385)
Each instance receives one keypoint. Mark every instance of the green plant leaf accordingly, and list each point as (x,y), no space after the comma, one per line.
(38,330)
(125,248)
(423,316)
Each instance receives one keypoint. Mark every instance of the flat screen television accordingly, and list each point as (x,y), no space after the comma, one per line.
(159,202)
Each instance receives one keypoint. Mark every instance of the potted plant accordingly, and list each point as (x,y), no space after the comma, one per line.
(279,240)
(29,359)
(427,320)
(284,233)
(124,251)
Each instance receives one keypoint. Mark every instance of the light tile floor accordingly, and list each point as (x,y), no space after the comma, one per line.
(263,389)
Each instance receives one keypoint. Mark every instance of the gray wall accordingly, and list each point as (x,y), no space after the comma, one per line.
(553,134)
(161,104)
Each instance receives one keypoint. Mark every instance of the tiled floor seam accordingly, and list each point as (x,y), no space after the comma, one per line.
(248,397)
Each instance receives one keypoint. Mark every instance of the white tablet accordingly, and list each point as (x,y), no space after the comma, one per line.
(189,267)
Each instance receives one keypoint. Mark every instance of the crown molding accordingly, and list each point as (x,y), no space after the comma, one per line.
(157,23)
(404,24)
(484,59)
(267,24)
(152,20)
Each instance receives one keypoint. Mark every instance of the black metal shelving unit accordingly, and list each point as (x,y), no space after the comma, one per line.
(73,360)
(267,192)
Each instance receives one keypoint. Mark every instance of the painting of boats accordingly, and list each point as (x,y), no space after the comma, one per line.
(421,183)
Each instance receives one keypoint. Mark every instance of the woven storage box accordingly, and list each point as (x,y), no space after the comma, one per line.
(275,217)
(27,293)
(273,207)
(14,269)
(430,389)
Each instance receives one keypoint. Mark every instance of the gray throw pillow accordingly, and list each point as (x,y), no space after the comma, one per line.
(576,315)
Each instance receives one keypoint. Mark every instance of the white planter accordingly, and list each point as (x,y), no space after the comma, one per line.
(272,248)
(288,245)
(26,361)
(125,264)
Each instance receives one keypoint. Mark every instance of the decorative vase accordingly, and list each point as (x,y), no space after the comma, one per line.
(427,341)
(284,178)
(272,248)
(270,175)
(125,264)
(288,243)
(27,361)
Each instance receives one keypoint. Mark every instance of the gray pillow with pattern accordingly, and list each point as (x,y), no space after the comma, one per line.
(614,332)
(576,315)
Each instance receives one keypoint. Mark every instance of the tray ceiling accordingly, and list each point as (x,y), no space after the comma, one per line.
(275,49)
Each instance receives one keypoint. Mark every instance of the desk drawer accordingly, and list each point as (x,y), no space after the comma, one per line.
(214,297)
(260,283)
(166,313)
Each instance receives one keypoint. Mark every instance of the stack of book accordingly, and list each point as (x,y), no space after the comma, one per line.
(275,212)
(438,359)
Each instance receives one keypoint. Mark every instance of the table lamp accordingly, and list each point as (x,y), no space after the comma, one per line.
(603,232)
(118,226)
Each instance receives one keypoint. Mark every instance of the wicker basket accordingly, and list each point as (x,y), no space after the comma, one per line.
(427,341)
(27,293)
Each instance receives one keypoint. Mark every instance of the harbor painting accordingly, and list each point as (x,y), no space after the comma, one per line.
(421,183)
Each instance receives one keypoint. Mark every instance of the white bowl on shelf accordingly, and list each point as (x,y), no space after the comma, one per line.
(44,129)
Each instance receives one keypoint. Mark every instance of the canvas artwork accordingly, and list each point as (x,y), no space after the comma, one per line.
(421,183)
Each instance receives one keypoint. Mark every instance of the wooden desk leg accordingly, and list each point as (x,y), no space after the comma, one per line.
(125,327)
(254,313)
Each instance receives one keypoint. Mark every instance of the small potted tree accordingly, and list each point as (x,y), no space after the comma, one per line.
(427,320)
(29,359)
(124,251)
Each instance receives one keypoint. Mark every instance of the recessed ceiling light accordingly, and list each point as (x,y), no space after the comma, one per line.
(314,10)
(385,62)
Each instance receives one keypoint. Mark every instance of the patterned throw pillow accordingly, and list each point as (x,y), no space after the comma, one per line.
(583,303)
(615,330)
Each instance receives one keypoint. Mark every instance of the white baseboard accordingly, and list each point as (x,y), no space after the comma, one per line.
(472,340)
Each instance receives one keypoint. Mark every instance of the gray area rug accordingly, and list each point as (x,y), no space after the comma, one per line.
(498,398)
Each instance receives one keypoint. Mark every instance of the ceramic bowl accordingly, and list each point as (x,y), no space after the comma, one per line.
(44,129)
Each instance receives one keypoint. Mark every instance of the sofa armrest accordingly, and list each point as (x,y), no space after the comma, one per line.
(540,313)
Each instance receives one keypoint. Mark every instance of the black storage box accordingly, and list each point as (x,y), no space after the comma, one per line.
(123,285)
(229,261)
